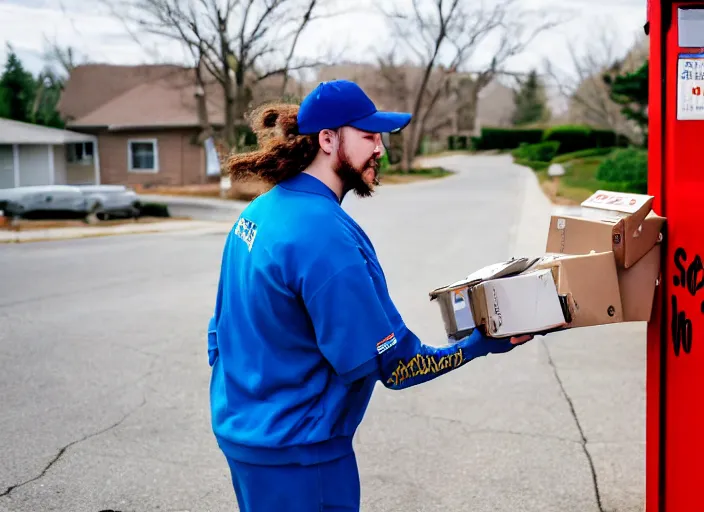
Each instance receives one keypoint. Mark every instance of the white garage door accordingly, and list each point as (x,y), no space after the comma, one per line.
(34,165)
(7,172)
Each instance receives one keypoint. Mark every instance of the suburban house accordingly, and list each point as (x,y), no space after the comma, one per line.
(149,120)
(31,154)
(145,121)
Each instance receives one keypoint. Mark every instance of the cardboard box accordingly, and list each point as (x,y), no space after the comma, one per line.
(608,221)
(638,285)
(519,304)
(590,283)
(554,292)
(454,300)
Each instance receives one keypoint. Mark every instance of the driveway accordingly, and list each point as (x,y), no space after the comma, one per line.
(105,378)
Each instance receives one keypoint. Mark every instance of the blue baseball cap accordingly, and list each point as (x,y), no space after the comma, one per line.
(338,103)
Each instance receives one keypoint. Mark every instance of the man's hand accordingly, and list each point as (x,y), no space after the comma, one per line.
(517,340)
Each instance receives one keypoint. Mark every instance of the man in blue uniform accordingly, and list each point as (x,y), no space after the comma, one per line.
(304,325)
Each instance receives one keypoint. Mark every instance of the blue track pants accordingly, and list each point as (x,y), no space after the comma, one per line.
(327,487)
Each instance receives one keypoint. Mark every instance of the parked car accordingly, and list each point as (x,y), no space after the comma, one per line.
(41,202)
(111,201)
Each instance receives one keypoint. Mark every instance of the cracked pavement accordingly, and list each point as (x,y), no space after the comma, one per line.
(105,378)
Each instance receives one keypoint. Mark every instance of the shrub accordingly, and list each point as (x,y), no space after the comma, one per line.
(571,138)
(536,166)
(543,152)
(608,139)
(384,163)
(575,138)
(625,171)
(153,210)
(457,142)
(500,138)
(585,153)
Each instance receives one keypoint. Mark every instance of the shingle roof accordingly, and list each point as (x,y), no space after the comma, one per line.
(156,96)
(16,132)
(92,85)
(165,102)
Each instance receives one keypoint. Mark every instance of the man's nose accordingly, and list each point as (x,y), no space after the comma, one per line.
(379,149)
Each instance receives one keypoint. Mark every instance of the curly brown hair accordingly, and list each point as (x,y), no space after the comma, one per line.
(283,152)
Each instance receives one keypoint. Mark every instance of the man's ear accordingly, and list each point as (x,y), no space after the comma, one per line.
(326,139)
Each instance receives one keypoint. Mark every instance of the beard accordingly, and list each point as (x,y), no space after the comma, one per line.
(353,178)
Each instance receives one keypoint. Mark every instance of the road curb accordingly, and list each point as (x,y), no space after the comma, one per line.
(58,234)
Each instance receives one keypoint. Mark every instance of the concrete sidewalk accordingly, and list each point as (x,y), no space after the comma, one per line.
(42,235)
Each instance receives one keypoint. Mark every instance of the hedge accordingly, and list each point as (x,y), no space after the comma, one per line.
(574,138)
(500,138)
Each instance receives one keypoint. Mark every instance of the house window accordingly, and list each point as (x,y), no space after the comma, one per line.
(79,153)
(143,155)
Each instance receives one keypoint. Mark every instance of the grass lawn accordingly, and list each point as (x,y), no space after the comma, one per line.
(578,183)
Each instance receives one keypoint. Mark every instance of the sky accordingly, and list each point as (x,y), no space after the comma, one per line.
(97,34)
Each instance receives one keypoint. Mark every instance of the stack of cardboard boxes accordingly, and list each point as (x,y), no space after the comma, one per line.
(601,267)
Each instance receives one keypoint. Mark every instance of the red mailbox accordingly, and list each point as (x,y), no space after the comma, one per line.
(675,358)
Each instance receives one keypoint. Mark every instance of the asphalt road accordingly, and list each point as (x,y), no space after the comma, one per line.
(104,375)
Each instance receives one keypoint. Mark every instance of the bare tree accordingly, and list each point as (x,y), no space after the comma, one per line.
(240,43)
(443,39)
(581,85)
(65,58)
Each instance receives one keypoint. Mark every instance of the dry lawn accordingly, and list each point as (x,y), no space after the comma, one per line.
(552,190)
(241,190)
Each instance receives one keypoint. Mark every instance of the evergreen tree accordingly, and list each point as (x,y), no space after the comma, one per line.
(48,93)
(17,90)
(631,91)
(530,101)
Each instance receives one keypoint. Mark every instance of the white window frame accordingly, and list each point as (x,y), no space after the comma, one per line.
(86,160)
(155,144)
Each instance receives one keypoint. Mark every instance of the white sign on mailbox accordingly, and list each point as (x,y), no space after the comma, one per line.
(690,87)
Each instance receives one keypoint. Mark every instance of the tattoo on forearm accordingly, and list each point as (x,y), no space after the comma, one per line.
(423,365)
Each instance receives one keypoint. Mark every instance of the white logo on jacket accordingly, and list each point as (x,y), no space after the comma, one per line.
(386,343)
(247,231)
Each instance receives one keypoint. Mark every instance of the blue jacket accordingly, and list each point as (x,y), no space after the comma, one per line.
(304,327)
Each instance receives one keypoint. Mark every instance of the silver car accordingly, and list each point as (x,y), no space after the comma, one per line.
(43,201)
(111,201)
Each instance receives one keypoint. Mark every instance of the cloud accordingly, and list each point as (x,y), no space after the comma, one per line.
(90,30)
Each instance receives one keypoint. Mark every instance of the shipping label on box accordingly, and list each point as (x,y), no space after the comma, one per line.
(462,309)
(620,202)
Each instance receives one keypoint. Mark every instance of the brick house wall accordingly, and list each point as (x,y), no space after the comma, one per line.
(180,162)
